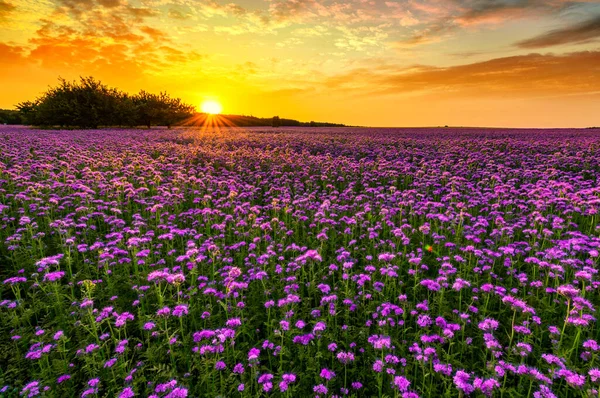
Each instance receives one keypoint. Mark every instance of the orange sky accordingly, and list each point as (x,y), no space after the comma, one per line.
(513,63)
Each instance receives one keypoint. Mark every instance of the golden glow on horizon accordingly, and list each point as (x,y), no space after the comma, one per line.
(212,107)
(369,63)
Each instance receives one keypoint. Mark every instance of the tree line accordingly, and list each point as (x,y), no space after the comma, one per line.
(88,103)
(11,116)
(279,122)
(275,121)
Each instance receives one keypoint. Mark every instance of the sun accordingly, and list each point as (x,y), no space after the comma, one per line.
(212,107)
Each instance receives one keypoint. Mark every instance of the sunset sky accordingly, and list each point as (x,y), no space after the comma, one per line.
(377,63)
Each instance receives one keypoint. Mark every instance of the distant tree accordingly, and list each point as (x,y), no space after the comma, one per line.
(93,104)
(160,109)
(10,116)
(276,121)
(56,106)
(28,111)
(147,108)
(174,110)
(125,113)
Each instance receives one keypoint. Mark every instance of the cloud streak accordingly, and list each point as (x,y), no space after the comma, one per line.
(525,75)
(581,32)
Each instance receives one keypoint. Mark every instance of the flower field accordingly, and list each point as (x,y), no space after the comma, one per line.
(299,263)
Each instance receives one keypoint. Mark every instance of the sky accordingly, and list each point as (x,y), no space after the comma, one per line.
(504,63)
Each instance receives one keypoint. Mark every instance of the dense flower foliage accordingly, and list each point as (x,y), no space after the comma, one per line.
(299,262)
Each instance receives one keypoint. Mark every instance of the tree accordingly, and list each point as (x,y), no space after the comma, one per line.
(88,103)
(276,121)
(147,108)
(173,110)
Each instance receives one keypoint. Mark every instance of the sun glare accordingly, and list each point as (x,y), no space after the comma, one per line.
(212,107)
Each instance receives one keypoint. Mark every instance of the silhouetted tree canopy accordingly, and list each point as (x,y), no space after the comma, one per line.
(88,103)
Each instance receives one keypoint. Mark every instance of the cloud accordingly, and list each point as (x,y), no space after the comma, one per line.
(401,13)
(140,13)
(466,54)
(5,9)
(294,10)
(524,75)
(154,34)
(289,42)
(360,38)
(104,38)
(581,32)
(313,31)
(430,34)
(495,12)
(178,14)
(441,19)
(11,55)
(110,3)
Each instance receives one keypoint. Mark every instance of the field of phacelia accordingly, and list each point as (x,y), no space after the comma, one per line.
(299,263)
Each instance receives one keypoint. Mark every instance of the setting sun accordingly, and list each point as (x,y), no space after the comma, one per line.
(212,107)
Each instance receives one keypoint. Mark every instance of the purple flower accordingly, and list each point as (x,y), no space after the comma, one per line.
(233,322)
(378,366)
(461,381)
(63,378)
(127,393)
(357,385)
(122,318)
(14,280)
(238,369)
(345,357)
(180,310)
(91,348)
(164,312)
(54,276)
(488,325)
(380,342)
(149,325)
(401,383)
(31,389)
(253,355)
(544,392)
(220,365)
(594,374)
(327,374)
(265,378)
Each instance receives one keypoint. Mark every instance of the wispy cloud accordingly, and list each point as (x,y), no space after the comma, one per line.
(526,75)
(6,8)
(499,11)
(581,32)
